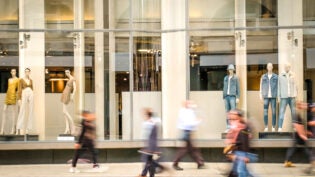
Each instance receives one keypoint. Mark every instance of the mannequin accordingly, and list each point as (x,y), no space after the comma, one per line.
(10,101)
(287,93)
(268,94)
(231,90)
(67,96)
(26,99)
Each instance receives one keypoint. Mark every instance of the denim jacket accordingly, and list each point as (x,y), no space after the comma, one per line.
(264,85)
(234,86)
(286,79)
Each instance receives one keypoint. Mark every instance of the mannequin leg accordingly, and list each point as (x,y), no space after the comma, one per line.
(13,119)
(69,120)
(30,111)
(3,119)
(21,117)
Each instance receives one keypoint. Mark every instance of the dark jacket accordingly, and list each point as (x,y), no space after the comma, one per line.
(88,132)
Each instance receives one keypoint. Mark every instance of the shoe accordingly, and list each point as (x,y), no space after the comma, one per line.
(176,167)
(273,129)
(266,129)
(227,130)
(279,129)
(96,166)
(201,166)
(74,170)
(288,164)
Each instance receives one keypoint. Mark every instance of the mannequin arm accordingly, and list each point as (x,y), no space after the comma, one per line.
(74,90)
(260,89)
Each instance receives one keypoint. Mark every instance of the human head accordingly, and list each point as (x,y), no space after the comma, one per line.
(67,72)
(287,67)
(87,115)
(189,104)
(231,68)
(27,72)
(148,113)
(236,115)
(13,72)
(269,67)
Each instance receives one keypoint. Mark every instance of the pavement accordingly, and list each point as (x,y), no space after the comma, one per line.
(134,169)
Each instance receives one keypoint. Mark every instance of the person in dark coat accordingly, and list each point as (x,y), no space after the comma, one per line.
(151,151)
(86,140)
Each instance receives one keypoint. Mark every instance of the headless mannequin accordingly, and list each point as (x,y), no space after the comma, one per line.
(25,99)
(10,103)
(65,101)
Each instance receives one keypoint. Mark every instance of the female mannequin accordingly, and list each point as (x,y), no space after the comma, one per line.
(10,100)
(67,96)
(26,99)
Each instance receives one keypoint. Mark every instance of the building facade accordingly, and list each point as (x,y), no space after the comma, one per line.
(130,54)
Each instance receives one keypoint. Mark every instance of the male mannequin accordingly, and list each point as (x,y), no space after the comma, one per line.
(66,97)
(231,90)
(287,92)
(26,99)
(268,94)
(10,100)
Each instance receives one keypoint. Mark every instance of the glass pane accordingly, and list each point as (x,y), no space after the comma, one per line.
(261,13)
(121,11)
(201,17)
(147,14)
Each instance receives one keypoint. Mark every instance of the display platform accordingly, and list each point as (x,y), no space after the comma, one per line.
(27,137)
(275,135)
(66,137)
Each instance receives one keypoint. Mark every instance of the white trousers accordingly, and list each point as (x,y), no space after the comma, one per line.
(27,101)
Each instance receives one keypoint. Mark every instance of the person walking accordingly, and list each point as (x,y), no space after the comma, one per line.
(239,136)
(151,151)
(187,123)
(86,140)
(300,136)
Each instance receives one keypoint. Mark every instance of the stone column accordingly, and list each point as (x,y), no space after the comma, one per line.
(79,56)
(240,51)
(290,46)
(174,64)
(32,55)
(99,68)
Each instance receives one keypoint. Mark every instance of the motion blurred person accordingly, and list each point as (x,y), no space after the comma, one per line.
(187,123)
(300,135)
(239,135)
(311,134)
(151,151)
(86,140)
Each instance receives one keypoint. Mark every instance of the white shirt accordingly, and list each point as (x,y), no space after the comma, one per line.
(228,89)
(187,119)
(269,88)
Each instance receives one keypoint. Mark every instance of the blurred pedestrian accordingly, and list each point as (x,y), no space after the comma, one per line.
(311,134)
(238,140)
(187,123)
(86,140)
(299,137)
(151,151)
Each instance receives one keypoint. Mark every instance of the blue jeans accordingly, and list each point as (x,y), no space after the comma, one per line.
(240,165)
(271,101)
(230,104)
(283,104)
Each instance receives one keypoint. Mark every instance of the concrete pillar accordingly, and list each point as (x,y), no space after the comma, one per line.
(113,98)
(290,13)
(79,60)
(99,68)
(32,55)
(240,51)
(174,64)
